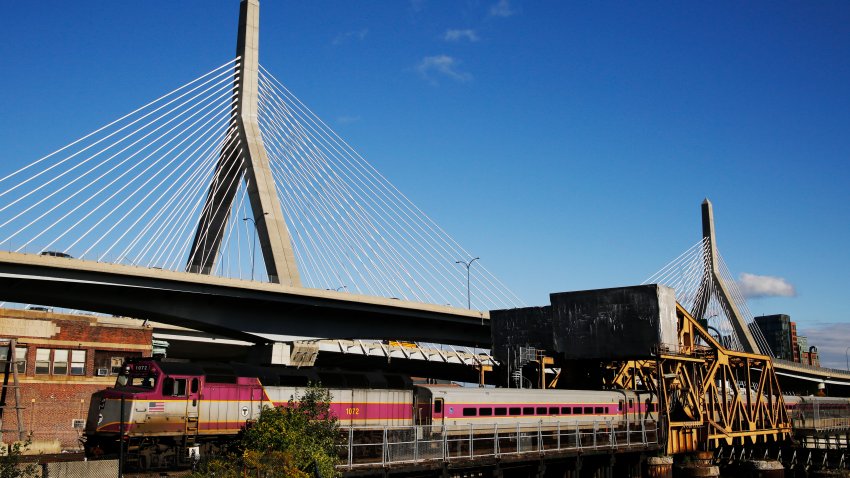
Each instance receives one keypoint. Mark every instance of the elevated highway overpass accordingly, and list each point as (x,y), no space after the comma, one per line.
(230,307)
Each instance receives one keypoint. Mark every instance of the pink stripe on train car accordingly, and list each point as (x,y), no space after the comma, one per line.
(372,411)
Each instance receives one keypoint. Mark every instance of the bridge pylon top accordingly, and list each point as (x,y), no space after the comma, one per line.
(713,280)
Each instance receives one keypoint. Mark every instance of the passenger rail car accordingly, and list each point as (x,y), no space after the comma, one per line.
(811,412)
(454,406)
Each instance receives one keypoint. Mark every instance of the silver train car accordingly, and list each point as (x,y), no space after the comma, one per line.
(812,412)
(453,406)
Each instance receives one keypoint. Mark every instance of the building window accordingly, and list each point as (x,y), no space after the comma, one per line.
(42,361)
(60,362)
(115,364)
(109,362)
(20,357)
(78,362)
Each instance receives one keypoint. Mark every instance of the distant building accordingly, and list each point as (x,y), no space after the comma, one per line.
(802,345)
(777,332)
(811,358)
(795,347)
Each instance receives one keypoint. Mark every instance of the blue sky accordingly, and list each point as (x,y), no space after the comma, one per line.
(568,144)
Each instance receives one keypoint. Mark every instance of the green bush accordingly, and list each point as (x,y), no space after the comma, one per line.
(11,466)
(296,440)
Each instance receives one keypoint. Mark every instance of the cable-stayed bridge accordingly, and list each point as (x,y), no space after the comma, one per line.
(227,204)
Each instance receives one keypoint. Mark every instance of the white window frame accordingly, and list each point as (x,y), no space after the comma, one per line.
(21,358)
(58,354)
(42,361)
(78,362)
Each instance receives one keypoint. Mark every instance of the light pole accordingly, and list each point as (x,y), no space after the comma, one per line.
(467,264)
(254,242)
(846,357)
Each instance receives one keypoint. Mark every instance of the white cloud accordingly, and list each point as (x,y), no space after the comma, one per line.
(352,35)
(458,35)
(443,65)
(755,286)
(831,340)
(502,8)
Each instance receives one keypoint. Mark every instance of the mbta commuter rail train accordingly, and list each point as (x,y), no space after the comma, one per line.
(169,407)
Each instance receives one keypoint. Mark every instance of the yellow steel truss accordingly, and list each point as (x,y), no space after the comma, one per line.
(709,395)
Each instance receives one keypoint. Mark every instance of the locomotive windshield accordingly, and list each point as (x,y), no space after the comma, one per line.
(137,376)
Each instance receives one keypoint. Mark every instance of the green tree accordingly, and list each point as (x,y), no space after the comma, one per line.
(304,434)
(294,440)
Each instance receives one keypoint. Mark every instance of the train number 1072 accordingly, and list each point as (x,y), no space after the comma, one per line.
(352,411)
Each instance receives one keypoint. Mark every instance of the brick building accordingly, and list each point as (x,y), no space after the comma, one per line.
(61,360)
(810,357)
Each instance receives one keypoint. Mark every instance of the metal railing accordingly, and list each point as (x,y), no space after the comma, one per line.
(382,446)
(836,373)
(820,424)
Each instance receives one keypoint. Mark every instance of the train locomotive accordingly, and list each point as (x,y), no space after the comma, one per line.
(169,407)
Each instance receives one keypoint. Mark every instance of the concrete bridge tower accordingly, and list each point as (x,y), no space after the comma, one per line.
(247,155)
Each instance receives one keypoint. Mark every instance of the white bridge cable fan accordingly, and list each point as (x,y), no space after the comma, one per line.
(687,275)
(350,226)
(129,192)
(133,192)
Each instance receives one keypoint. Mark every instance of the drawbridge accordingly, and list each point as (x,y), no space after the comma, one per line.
(709,395)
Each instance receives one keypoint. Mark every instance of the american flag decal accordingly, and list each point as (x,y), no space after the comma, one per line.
(156,406)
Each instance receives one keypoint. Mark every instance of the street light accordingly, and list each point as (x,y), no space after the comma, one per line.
(846,357)
(467,264)
(254,242)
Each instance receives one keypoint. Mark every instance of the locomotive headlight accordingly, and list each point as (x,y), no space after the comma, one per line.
(99,418)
